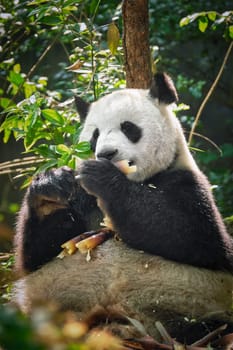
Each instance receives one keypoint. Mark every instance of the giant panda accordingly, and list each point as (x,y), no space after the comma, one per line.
(172,260)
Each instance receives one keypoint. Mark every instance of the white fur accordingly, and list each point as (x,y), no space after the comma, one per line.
(162,137)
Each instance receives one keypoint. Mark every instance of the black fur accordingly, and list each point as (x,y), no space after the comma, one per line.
(82,107)
(172,215)
(132,131)
(94,139)
(39,237)
(163,88)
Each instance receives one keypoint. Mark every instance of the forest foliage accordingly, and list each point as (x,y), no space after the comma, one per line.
(52,50)
(37,99)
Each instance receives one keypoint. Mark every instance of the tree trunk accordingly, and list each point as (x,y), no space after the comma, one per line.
(136,43)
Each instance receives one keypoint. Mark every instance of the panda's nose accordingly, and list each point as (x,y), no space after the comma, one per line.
(107,154)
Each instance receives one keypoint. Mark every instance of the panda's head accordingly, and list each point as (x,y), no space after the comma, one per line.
(134,124)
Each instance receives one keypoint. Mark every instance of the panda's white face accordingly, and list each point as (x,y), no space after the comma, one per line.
(130,125)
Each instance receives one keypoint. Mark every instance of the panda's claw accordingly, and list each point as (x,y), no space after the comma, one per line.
(52,190)
(97,176)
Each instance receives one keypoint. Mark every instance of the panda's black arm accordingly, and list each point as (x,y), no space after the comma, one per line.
(54,210)
(173,215)
(178,220)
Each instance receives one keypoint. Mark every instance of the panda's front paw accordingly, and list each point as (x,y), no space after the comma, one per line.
(52,190)
(100,177)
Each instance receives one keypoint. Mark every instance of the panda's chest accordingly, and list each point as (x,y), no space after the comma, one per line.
(94,219)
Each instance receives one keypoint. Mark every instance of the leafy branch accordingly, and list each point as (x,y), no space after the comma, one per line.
(213,86)
(203,19)
(48,128)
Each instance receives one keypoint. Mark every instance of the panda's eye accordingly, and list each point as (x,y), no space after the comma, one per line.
(94,138)
(132,131)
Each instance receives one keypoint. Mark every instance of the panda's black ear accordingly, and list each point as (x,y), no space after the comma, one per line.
(163,88)
(82,107)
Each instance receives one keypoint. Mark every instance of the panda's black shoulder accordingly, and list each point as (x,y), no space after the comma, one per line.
(170,177)
(190,186)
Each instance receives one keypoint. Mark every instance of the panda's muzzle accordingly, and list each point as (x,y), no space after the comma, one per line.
(126,165)
(107,154)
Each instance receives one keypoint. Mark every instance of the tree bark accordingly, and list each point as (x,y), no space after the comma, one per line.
(136,43)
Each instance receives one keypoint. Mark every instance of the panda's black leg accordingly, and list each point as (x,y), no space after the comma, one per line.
(53,212)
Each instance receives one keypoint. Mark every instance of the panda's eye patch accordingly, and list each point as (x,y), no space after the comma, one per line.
(132,131)
(94,138)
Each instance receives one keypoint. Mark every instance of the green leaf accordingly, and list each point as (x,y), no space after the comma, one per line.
(32,119)
(43,81)
(17,68)
(53,116)
(63,149)
(51,20)
(71,2)
(72,163)
(37,2)
(83,146)
(26,183)
(212,15)
(57,136)
(13,207)
(48,165)
(4,102)
(84,155)
(68,9)
(7,134)
(203,24)
(15,78)
(64,159)
(42,149)
(29,141)
(34,11)
(29,89)
(190,18)
(230,29)
(46,151)
(75,135)
(184,21)
(194,16)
